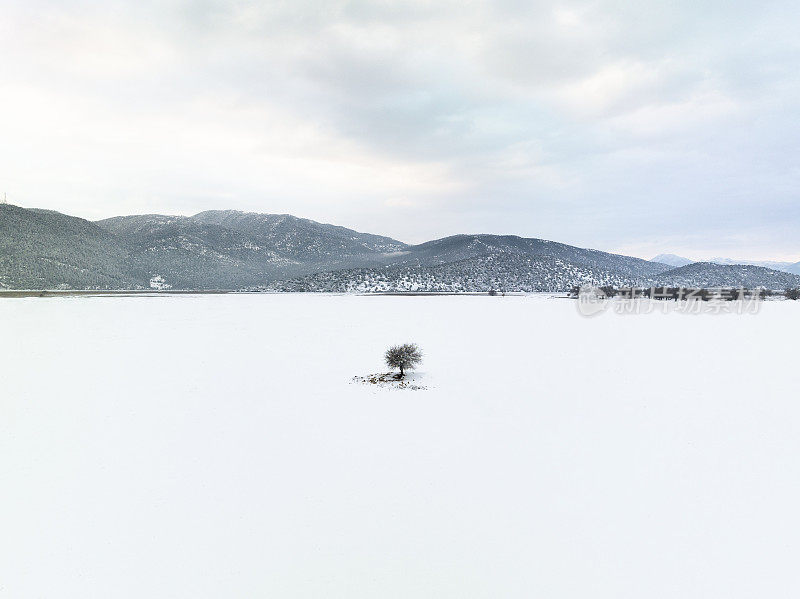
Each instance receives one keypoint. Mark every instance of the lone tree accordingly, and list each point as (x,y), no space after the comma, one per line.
(403,356)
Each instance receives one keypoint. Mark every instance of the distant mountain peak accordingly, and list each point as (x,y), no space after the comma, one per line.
(671,260)
(674,260)
(711,274)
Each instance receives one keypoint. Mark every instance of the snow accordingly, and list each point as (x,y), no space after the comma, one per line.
(158,282)
(216,446)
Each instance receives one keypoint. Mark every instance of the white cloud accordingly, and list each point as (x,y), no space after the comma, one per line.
(595,123)
(677,118)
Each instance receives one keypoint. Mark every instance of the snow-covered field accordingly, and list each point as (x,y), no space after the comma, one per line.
(215,447)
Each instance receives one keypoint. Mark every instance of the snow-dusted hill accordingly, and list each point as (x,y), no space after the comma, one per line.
(676,261)
(790,267)
(236,250)
(304,240)
(501,270)
(516,271)
(46,249)
(709,274)
(460,247)
(188,254)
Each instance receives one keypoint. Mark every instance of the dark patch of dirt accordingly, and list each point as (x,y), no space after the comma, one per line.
(389,379)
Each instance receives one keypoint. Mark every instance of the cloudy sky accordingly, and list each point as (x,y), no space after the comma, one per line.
(640,127)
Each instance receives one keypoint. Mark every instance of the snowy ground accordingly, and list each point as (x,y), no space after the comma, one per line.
(216,446)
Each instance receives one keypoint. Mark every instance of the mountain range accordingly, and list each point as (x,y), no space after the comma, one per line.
(673,260)
(227,249)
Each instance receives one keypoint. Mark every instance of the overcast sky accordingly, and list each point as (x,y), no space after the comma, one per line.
(640,127)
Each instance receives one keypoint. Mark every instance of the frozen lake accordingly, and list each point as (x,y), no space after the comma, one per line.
(214,446)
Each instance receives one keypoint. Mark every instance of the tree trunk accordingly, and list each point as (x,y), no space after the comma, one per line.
(401,371)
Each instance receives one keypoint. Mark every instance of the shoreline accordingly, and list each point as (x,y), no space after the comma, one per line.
(26,293)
